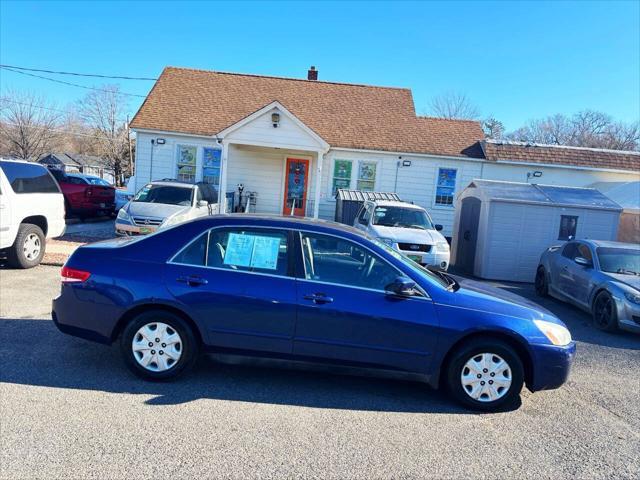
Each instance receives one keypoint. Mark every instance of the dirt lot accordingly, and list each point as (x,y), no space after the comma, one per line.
(69,409)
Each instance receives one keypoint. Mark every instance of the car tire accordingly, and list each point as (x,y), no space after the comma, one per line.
(150,338)
(495,361)
(541,284)
(605,314)
(28,249)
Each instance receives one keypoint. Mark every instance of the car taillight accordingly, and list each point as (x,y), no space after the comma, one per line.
(72,275)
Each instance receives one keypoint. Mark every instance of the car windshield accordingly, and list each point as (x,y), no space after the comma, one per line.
(402,217)
(97,181)
(619,260)
(443,280)
(167,194)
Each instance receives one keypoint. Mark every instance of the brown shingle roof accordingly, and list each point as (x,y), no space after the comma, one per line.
(561,155)
(344,115)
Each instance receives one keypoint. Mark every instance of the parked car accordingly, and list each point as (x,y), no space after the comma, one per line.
(406,227)
(123,197)
(31,210)
(162,203)
(600,277)
(310,290)
(85,195)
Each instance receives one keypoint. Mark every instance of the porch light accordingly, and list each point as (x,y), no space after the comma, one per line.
(275,119)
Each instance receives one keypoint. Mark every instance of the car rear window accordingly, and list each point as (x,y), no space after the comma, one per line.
(29,178)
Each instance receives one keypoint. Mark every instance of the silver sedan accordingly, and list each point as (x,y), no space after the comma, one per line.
(600,277)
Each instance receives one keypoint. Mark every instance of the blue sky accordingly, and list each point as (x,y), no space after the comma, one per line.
(515,60)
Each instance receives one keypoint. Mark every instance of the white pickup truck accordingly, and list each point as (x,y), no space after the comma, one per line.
(31,210)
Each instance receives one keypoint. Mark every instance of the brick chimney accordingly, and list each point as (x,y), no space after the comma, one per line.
(312,74)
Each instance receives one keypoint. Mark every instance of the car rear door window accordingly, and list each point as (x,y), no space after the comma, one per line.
(29,178)
(334,260)
(244,250)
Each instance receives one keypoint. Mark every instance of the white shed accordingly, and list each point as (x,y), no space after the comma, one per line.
(501,228)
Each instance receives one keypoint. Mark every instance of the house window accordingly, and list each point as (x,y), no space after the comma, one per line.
(186,163)
(568,227)
(211,166)
(341,175)
(367,176)
(446,186)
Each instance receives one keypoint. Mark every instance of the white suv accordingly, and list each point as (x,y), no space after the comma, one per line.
(407,228)
(31,210)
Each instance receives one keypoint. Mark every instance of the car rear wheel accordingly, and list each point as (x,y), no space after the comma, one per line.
(605,314)
(28,249)
(485,374)
(542,287)
(158,345)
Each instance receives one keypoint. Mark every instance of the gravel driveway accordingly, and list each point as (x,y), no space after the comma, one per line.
(68,408)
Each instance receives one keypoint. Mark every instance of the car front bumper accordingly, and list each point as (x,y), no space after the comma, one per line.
(628,314)
(127,229)
(439,260)
(550,366)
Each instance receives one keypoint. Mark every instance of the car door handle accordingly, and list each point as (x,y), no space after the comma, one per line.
(192,280)
(318,298)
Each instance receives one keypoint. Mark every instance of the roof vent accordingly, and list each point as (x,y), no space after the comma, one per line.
(312,74)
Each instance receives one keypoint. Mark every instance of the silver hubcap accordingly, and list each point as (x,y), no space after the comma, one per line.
(31,246)
(157,347)
(486,377)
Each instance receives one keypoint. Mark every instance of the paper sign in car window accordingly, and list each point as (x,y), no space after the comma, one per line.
(265,252)
(239,250)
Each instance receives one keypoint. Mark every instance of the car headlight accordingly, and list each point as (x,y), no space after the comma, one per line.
(388,241)
(123,215)
(557,334)
(442,247)
(633,297)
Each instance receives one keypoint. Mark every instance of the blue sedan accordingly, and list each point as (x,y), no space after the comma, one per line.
(306,290)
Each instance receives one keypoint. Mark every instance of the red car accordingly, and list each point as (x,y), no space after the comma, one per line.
(86,195)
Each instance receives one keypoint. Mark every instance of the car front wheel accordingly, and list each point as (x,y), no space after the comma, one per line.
(485,374)
(158,345)
(605,314)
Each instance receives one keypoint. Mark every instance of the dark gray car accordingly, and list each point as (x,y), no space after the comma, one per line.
(600,277)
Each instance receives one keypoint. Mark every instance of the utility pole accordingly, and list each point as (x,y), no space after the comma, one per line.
(130,149)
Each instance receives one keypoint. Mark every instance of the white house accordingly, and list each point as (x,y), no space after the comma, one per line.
(293,142)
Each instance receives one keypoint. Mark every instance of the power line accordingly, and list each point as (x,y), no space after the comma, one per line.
(46,108)
(70,84)
(120,77)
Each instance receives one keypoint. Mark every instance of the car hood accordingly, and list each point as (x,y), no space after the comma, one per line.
(480,296)
(155,210)
(408,235)
(631,280)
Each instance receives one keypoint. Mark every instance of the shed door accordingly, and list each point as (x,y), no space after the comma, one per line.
(468,234)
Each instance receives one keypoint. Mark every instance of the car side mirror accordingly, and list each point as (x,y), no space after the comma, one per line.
(438,227)
(402,287)
(202,203)
(583,262)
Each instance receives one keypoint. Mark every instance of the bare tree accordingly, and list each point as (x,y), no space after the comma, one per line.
(103,112)
(493,128)
(28,126)
(453,105)
(587,128)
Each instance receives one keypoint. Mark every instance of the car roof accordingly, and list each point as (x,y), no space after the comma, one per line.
(395,203)
(172,183)
(281,221)
(610,244)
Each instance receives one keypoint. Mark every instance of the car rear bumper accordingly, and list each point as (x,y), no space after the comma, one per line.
(551,366)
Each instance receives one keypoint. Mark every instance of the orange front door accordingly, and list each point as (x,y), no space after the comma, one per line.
(295,186)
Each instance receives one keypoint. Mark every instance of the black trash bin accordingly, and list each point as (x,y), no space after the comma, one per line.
(348,203)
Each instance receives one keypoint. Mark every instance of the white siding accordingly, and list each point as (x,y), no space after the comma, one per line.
(416,183)
(165,156)
(261,170)
(260,131)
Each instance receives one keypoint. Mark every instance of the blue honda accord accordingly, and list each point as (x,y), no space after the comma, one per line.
(306,290)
